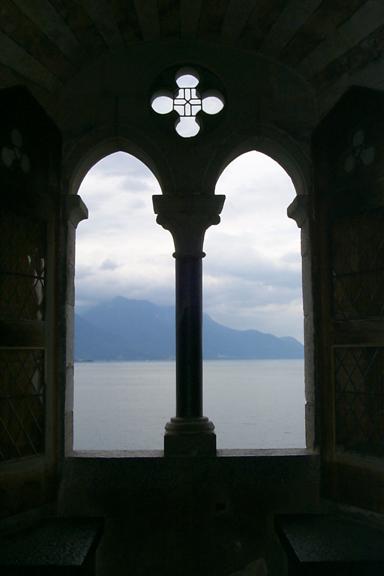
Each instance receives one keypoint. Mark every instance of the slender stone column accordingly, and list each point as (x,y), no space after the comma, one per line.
(187,218)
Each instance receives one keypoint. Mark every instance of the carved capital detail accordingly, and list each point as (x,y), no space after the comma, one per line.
(76,210)
(187,218)
(298,210)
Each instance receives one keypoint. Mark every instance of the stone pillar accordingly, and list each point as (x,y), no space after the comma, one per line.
(187,218)
(300,211)
(74,212)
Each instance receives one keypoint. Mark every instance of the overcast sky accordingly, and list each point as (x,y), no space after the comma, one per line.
(252,271)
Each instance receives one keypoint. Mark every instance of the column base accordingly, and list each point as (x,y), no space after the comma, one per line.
(189,437)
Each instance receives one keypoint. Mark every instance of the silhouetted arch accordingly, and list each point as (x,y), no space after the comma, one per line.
(99,144)
(271,142)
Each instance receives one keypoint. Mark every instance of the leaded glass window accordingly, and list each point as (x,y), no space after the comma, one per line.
(359,399)
(22,268)
(22,359)
(358,267)
(22,390)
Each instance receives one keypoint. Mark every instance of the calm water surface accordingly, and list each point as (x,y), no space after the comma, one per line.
(125,405)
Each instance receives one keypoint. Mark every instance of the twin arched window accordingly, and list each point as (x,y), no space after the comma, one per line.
(124,287)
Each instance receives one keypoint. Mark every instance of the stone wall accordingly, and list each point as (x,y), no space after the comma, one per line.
(190,516)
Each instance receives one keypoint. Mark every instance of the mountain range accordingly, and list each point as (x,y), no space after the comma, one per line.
(122,329)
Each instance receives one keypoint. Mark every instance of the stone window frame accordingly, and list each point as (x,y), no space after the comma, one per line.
(291,156)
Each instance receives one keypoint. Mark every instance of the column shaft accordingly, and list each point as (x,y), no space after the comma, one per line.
(189,345)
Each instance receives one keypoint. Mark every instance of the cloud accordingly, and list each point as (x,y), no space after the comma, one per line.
(106,284)
(252,271)
(108,264)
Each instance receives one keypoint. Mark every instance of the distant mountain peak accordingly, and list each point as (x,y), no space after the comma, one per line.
(130,329)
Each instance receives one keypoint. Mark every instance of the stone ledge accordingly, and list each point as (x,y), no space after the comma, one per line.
(331,543)
(52,544)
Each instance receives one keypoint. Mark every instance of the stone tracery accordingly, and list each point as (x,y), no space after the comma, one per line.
(187,102)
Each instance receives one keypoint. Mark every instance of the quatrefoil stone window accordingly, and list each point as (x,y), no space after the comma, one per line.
(187,102)
(13,154)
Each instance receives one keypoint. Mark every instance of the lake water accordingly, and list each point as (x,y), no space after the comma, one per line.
(125,405)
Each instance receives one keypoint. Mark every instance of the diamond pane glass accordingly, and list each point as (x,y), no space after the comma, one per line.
(358,267)
(21,403)
(22,268)
(359,399)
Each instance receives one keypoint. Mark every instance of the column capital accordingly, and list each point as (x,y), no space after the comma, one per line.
(298,210)
(75,209)
(187,218)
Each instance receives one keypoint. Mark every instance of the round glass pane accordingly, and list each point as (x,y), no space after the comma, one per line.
(187,78)
(212,104)
(162,103)
(187,127)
